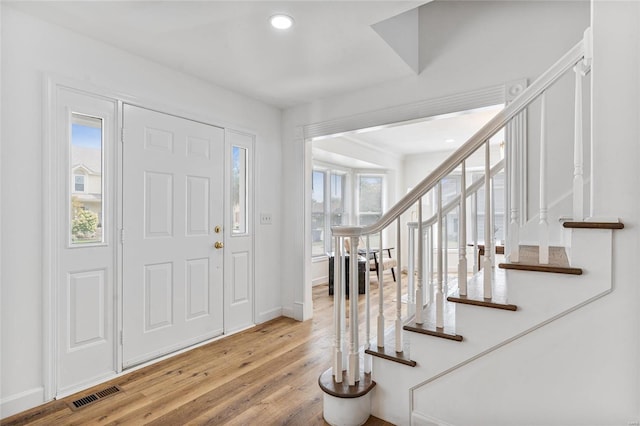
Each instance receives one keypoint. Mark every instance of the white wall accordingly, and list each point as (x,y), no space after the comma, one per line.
(583,369)
(484,44)
(31,48)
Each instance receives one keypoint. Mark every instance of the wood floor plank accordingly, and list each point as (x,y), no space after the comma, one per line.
(265,375)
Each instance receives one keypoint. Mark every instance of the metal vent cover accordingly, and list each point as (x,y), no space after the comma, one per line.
(94,397)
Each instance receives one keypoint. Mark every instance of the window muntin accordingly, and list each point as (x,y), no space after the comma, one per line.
(86,193)
(239,190)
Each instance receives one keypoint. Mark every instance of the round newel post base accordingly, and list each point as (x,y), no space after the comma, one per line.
(345,405)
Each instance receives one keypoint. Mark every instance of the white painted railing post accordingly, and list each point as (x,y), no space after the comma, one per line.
(353,371)
(462,234)
(411,269)
(445,255)
(337,311)
(439,261)
(380,294)
(578,179)
(474,231)
(367,304)
(421,262)
(543,227)
(514,226)
(486,265)
(398,288)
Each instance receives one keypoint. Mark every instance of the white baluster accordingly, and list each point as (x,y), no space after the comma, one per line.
(474,231)
(440,264)
(486,265)
(514,226)
(367,303)
(353,371)
(398,288)
(337,319)
(381,295)
(430,265)
(578,179)
(543,227)
(445,251)
(411,266)
(421,262)
(493,223)
(462,234)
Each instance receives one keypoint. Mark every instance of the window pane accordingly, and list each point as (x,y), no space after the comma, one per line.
(86,183)
(239,190)
(370,203)
(317,213)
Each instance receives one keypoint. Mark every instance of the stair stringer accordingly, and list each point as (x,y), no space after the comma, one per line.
(541,299)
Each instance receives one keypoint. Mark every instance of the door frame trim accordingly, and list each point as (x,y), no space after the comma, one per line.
(51,205)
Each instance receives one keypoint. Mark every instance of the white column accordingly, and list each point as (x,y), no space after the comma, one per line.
(353,370)
(439,261)
(462,234)
(380,294)
(420,277)
(543,227)
(486,264)
(337,305)
(578,179)
(398,288)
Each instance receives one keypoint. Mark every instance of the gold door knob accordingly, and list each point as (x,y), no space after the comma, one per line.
(218,245)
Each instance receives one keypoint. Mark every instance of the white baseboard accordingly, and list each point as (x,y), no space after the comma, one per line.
(270,314)
(22,401)
(288,312)
(320,280)
(418,419)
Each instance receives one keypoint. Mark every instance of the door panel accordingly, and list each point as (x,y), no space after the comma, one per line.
(84,250)
(172,274)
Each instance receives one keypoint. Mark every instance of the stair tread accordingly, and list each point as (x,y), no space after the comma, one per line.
(428,326)
(594,225)
(388,352)
(529,261)
(343,390)
(475,292)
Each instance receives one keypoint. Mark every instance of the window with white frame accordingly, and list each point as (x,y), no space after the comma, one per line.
(330,203)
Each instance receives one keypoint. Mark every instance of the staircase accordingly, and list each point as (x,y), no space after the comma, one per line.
(454,324)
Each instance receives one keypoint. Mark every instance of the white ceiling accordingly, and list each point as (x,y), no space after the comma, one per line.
(330,50)
(434,134)
(444,133)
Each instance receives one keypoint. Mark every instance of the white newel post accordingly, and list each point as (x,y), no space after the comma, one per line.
(543,227)
(337,314)
(486,265)
(439,261)
(380,294)
(420,277)
(462,234)
(353,371)
(578,179)
(398,288)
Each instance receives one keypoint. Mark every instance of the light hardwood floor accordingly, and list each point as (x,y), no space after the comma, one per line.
(266,375)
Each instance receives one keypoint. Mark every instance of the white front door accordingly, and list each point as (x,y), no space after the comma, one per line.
(173,174)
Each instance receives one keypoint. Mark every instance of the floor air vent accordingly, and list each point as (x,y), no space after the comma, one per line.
(94,397)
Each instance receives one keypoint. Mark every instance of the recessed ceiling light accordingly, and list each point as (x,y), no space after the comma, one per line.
(281,21)
(450,140)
